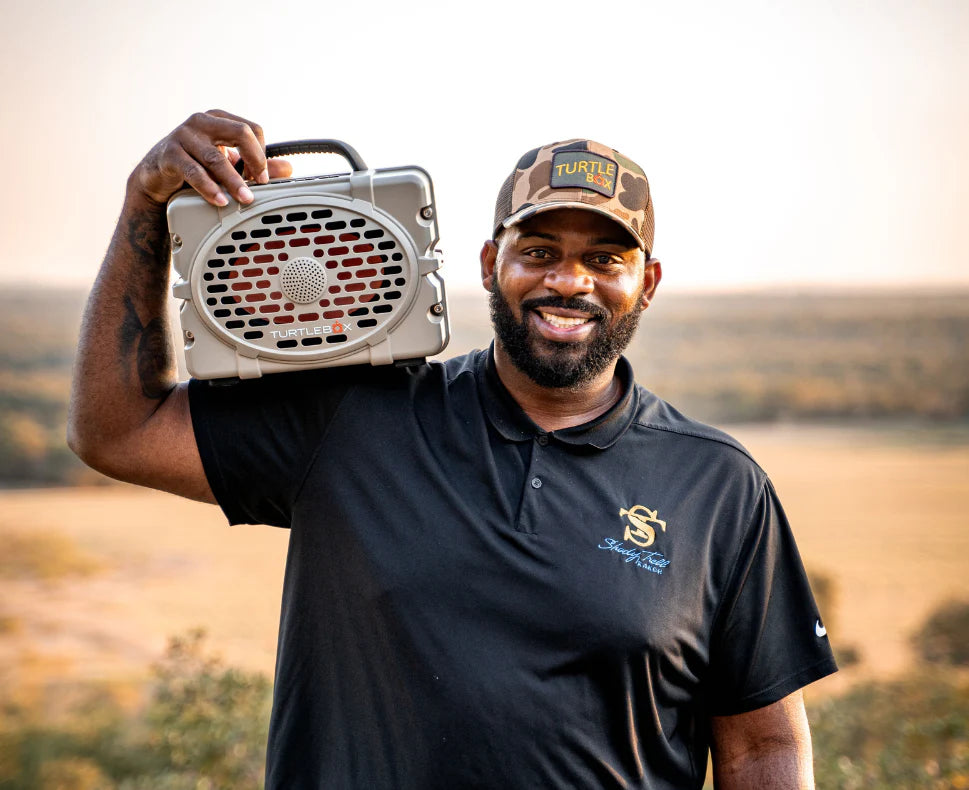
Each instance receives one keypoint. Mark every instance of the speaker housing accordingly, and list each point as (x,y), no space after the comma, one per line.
(315,272)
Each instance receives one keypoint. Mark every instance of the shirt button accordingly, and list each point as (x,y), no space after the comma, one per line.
(543,439)
(536,482)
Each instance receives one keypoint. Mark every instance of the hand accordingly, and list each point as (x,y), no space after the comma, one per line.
(202,152)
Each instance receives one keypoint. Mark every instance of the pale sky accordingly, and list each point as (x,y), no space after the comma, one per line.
(813,143)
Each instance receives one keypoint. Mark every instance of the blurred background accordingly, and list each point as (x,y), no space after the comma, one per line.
(810,171)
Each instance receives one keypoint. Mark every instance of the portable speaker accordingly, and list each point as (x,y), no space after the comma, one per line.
(315,272)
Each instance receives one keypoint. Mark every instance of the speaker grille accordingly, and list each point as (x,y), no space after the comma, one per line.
(305,278)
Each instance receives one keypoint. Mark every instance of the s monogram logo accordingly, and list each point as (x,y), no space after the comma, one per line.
(639,526)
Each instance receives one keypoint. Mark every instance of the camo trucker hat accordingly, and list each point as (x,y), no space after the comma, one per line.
(578,174)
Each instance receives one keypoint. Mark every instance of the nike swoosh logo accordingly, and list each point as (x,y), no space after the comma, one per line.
(819,629)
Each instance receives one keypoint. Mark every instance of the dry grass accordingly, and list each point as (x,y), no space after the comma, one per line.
(167,564)
(881,513)
(46,555)
(9,624)
(884,515)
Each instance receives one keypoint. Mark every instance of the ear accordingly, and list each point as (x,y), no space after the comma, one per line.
(489,256)
(652,276)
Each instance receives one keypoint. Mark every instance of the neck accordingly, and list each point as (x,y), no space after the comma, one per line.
(552,408)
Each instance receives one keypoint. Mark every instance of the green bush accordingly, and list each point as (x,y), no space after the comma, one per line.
(902,735)
(207,720)
(944,638)
(205,728)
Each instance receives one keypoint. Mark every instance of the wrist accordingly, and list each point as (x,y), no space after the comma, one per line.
(137,200)
(142,230)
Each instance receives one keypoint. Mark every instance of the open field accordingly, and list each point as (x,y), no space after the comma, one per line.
(116,570)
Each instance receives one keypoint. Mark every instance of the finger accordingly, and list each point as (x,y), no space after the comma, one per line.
(231,154)
(207,152)
(234,159)
(251,144)
(209,156)
(204,133)
(178,163)
(280,168)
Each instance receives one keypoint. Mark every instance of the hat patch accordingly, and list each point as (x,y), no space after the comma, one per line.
(584,170)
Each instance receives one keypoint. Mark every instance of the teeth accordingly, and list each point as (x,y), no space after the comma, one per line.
(561,321)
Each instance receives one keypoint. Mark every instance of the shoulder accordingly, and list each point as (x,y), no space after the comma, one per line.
(428,376)
(432,382)
(459,376)
(682,436)
(469,364)
(327,388)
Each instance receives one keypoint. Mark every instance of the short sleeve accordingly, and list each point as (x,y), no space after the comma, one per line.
(257,439)
(769,639)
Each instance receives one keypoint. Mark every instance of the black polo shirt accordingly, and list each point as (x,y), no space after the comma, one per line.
(471,602)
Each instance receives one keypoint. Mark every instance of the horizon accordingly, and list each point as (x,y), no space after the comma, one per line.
(828,290)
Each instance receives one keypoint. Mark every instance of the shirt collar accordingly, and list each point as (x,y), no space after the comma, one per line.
(511,421)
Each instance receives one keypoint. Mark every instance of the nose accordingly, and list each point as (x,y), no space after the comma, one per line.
(569,278)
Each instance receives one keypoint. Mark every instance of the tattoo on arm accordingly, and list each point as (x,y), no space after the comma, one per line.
(148,241)
(153,351)
(148,237)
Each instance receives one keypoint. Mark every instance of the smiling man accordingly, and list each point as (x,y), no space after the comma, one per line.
(515,569)
(565,339)
(580,284)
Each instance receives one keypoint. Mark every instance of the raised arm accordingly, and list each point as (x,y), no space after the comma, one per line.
(129,417)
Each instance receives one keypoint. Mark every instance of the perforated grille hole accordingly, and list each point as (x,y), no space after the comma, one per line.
(347,278)
(303,280)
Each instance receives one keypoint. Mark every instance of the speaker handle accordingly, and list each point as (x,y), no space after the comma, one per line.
(345,150)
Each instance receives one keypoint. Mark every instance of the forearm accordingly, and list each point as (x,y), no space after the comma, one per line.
(767,748)
(784,768)
(125,362)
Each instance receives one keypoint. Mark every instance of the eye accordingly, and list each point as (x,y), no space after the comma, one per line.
(538,252)
(605,259)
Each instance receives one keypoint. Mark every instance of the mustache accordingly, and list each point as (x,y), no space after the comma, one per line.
(575,303)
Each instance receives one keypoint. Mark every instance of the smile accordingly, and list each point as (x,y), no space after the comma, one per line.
(562,321)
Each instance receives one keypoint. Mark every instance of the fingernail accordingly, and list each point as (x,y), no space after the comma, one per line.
(264,176)
(245,195)
(221,199)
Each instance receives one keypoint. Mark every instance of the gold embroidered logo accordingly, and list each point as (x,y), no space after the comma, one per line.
(585,170)
(639,527)
(594,172)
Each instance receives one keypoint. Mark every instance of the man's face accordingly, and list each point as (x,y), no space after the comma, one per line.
(567,289)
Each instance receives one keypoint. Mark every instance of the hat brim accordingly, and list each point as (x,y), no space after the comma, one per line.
(531,211)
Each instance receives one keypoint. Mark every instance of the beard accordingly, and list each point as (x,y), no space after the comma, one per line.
(553,364)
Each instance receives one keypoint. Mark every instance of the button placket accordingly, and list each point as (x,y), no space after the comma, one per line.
(535,481)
